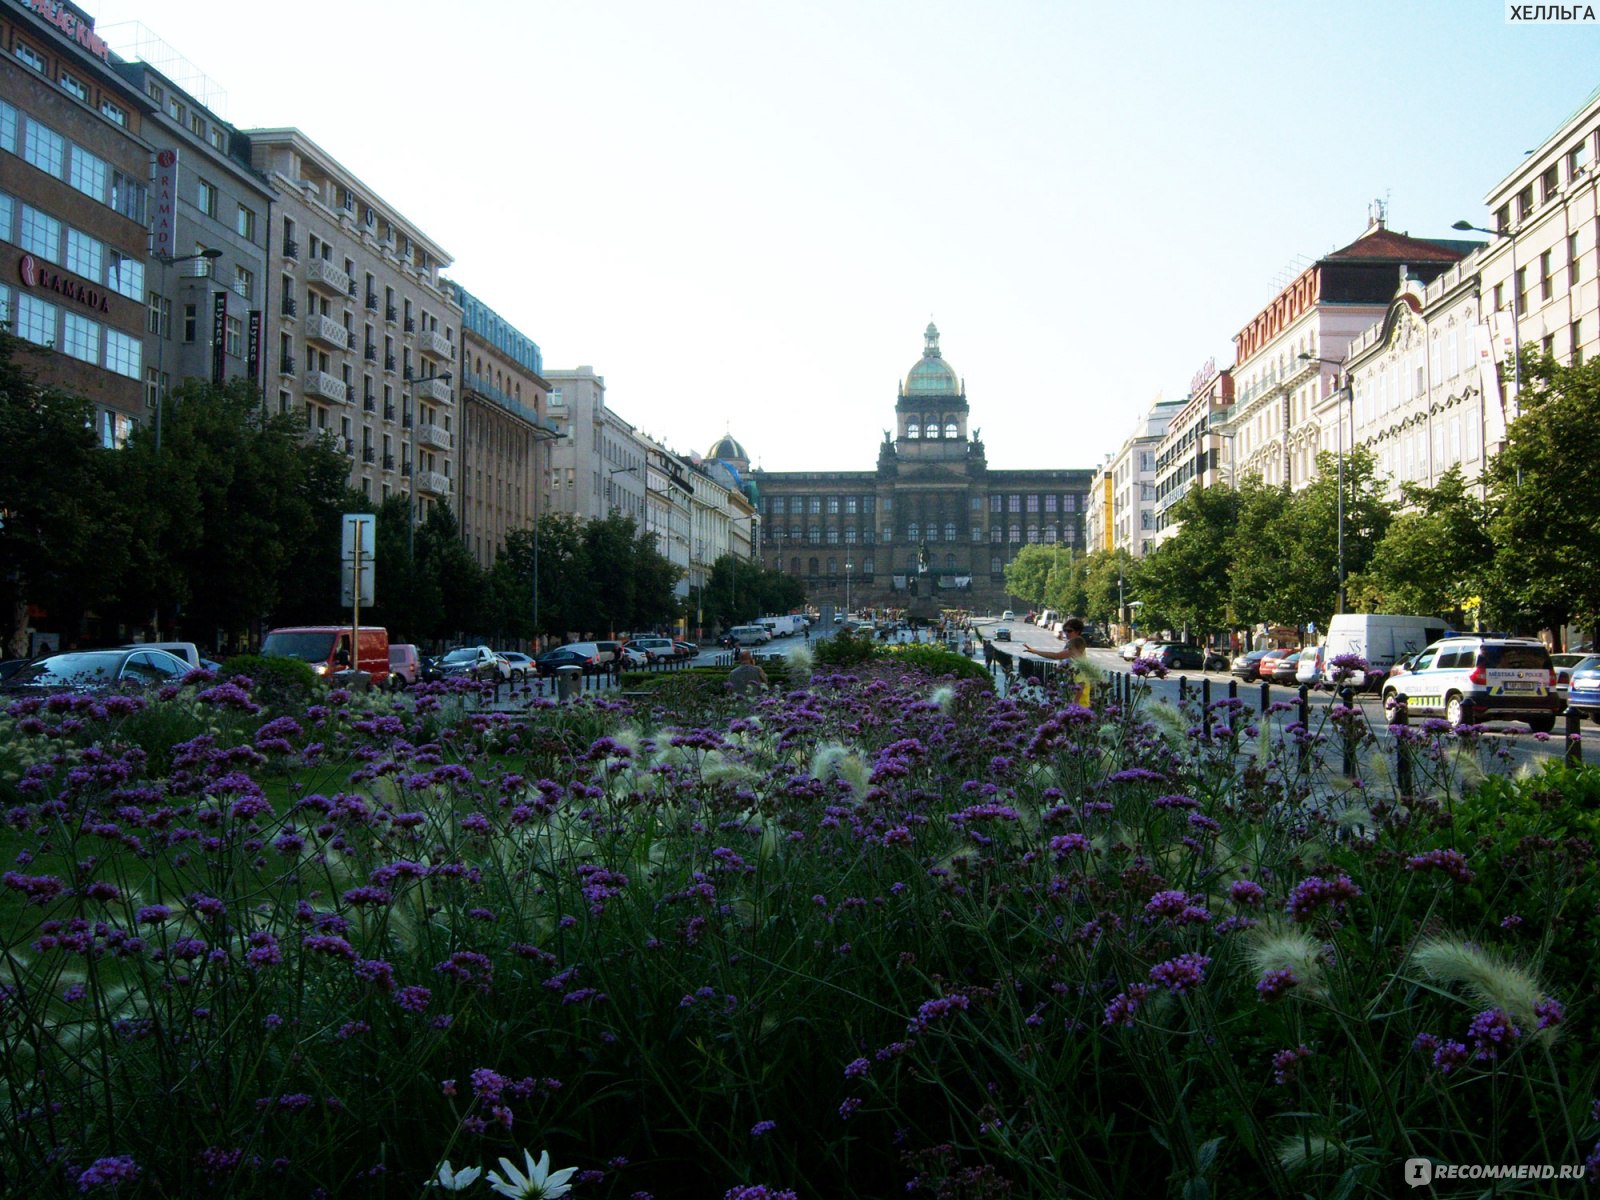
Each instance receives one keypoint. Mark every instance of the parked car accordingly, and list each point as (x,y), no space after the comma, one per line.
(578,654)
(1309,668)
(1132,650)
(1175,656)
(1382,639)
(1563,664)
(327,648)
(188,651)
(475,662)
(1247,665)
(97,671)
(1471,678)
(634,658)
(1583,688)
(1286,669)
(686,649)
(1267,667)
(521,664)
(405,665)
(656,649)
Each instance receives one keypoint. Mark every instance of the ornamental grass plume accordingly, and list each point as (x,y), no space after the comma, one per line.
(1286,948)
(1169,723)
(944,696)
(834,761)
(1488,979)
(1297,1153)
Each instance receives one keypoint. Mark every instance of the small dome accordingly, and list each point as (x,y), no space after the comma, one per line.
(728,449)
(932,376)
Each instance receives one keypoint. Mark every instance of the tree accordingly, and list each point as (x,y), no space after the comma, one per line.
(1028,574)
(1064,589)
(1305,535)
(1110,579)
(1189,575)
(1436,557)
(1256,550)
(63,531)
(1546,510)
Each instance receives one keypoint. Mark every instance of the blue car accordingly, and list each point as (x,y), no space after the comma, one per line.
(1583,692)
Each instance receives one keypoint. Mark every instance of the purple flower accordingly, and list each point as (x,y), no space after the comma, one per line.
(105,1172)
(1491,1031)
(414,999)
(762,1128)
(1124,1004)
(1550,1012)
(1274,985)
(1246,893)
(1345,666)
(1286,1064)
(856,1068)
(1314,892)
(1452,862)
(1449,1056)
(1180,975)
(152,914)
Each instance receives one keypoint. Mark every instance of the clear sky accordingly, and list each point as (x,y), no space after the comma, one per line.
(743,213)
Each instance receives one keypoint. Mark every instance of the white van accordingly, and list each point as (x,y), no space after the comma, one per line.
(1380,638)
(188,651)
(750,635)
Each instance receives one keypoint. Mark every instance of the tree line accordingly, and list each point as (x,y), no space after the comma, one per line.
(233,525)
(1515,548)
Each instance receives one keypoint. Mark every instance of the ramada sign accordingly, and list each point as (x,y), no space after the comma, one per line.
(44,278)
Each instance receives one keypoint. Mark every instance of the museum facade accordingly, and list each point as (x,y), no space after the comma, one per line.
(932,525)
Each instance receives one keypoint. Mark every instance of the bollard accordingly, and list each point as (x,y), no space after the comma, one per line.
(1303,714)
(1233,689)
(1574,756)
(1401,716)
(1347,697)
(1183,689)
(1266,697)
(1205,707)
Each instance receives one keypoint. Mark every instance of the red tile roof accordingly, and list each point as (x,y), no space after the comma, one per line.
(1389,246)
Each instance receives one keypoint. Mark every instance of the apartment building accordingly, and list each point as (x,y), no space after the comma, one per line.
(504,446)
(1132,470)
(1540,273)
(1190,453)
(207,284)
(364,332)
(1288,358)
(669,507)
(597,465)
(1424,396)
(74,208)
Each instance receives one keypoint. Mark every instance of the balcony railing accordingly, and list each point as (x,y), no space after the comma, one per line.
(405,468)
(388,412)
(320,273)
(411,324)
(369,404)
(368,454)
(286,365)
(405,421)
(391,314)
(388,362)
(431,434)
(291,249)
(370,353)
(388,462)
(434,344)
(290,307)
(433,482)
(372,301)
(326,387)
(324,329)
(433,389)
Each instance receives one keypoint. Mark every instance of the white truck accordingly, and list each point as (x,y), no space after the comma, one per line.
(1383,639)
(786,625)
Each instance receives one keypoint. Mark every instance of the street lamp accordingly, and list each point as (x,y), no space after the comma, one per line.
(1516,311)
(1347,392)
(848,567)
(164,324)
(611,488)
(411,489)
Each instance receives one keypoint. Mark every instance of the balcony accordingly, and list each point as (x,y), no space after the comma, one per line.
(291,249)
(372,301)
(286,365)
(368,454)
(350,338)
(405,469)
(322,386)
(411,324)
(433,435)
(290,307)
(370,353)
(436,390)
(388,412)
(391,314)
(369,404)
(325,329)
(433,343)
(388,362)
(388,462)
(322,274)
(433,482)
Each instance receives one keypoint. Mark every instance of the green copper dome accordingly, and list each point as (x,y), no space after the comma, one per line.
(932,376)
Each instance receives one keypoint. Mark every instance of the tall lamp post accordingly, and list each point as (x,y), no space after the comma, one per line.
(1346,393)
(164,324)
(409,391)
(611,487)
(848,567)
(1516,309)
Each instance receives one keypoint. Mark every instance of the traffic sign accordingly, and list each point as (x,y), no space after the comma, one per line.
(367,525)
(347,571)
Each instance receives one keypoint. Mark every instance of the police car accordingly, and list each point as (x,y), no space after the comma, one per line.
(1471,678)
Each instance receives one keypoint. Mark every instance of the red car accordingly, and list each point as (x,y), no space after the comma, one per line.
(1270,660)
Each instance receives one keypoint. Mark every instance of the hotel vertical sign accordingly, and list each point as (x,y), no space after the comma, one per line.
(219,333)
(253,347)
(165,178)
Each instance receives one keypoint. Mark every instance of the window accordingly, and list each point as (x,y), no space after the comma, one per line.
(29,56)
(1546,286)
(190,322)
(159,321)
(913,532)
(1550,182)
(113,113)
(815,534)
(850,535)
(127,196)
(125,275)
(123,354)
(1033,504)
(115,429)
(833,536)
(244,282)
(84,255)
(245,223)
(850,506)
(88,174)
(175,109)
(41,234)
(1014,504)
(8,128)
(219,138)
(1577,159)
(36,320)
(206,198)
(833,505)
(950,430)
(235,338)
(1524,203)
(46,149)
(1015,535)
(82,339)
(1522,290)
(949,531)
(74,86)
(1572,259)
(1576,332)
(913,431)
(197,125)
(814,504)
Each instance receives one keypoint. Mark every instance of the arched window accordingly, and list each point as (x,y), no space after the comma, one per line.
(1049,533)
(816,534)
(913,431)
(913,532)
(833,566)
(997,534)
(994,565)
(950,430)
(1016,535)
(833,536)
(814,566)
(933,531)
(950,562)
(849,535)
(794,565)
(949,531)
(1033,535)
(866,566)
(777,563)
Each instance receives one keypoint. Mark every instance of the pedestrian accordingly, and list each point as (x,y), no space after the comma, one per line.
(746,675)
